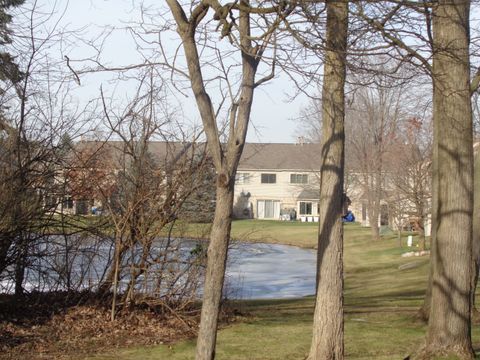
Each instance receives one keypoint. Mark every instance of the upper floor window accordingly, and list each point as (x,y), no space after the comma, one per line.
(269,178)
(242,178)
(298,178)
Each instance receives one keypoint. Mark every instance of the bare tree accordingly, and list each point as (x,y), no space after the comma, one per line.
(411,175)
(37,112)
(141,184)
(446,36)
(476,228)
(373,123)
(225,157)
(327,342)
(449,321)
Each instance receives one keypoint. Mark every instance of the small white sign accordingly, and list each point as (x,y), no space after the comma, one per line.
(410,241)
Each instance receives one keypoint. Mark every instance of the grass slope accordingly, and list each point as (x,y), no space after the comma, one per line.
(381,304)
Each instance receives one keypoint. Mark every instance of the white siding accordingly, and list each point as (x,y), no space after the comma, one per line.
(282,191)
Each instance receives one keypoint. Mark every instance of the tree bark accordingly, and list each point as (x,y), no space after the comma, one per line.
(449,331)
(327,341)
(424,311)
(476,228)
(215,272)
(421,234)
(225,160)
(374,196)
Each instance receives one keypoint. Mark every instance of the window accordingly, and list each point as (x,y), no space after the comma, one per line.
(298,178)
(242,178)
(268,209)
(68,203)
(269,178)
(305,208)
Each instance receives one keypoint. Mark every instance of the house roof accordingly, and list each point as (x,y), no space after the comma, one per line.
(309,194)
(164,152)
(270,156)
(256,156)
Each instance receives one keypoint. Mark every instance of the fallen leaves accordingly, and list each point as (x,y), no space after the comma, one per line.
(33,331)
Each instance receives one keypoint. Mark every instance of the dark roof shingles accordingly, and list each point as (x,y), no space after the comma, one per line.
(263,156)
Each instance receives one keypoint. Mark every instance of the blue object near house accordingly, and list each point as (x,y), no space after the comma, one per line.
(349,217)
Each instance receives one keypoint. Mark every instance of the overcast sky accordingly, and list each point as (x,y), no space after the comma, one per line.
(273,112)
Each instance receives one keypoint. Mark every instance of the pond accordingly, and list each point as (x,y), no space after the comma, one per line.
(254,271)
(269,271)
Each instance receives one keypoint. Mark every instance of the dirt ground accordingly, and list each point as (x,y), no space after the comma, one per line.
(65,326)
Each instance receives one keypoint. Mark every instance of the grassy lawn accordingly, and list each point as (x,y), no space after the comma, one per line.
(276,232)
(381,303)
(265,231)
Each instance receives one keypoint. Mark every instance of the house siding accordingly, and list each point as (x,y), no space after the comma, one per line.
(282,190)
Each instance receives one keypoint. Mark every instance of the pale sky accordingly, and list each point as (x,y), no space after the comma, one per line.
(272,114)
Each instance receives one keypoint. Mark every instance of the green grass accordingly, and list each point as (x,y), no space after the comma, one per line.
(265,231)
(295,233)
(381,304)
(276,232)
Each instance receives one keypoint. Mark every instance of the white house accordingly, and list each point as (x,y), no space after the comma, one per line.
(278,181)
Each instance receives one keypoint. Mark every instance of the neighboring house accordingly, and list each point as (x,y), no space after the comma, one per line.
(273,181)
(358,195)
(278,181)
(281,182)
(401,192)
(100,176)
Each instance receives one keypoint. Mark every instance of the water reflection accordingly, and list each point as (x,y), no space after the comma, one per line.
(268,271)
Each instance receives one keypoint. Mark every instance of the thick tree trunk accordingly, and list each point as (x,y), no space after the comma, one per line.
(450,313)
(424,311)
(476,228)
(215,273)
(327,341)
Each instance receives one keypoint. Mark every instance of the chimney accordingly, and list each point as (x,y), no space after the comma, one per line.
(300,140)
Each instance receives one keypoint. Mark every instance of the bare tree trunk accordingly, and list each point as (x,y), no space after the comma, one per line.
(6,241)
(421,234)
(115,286)
(227,156)
(399,235)
(105,286)
(476,228)
(327,341)
(449,327)
(424,311)
(215,273)
(373,214)
(20,273)
(374,199)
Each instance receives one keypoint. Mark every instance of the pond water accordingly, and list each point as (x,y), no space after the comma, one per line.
(254,271)
(267,271)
